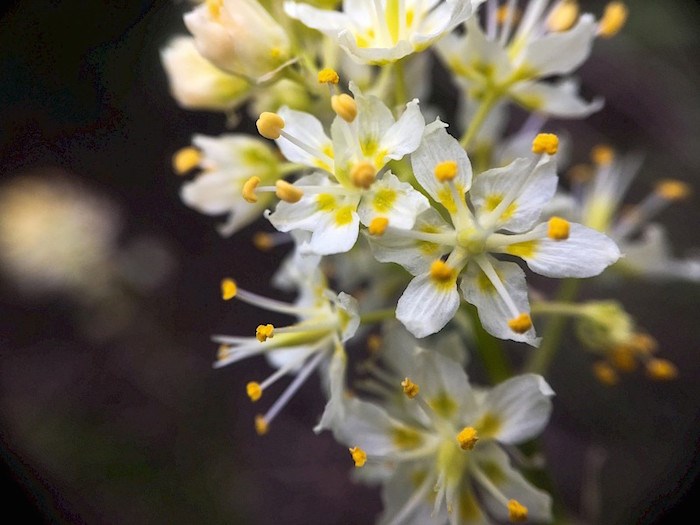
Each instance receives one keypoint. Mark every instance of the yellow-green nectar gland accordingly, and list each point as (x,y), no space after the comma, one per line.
(328,76)
(359,456)
(261,425)
(186,159)
(545,143)
(613,20)
(446,170)
(378,226)
(605,373)
(264,332)
(229,289)
(254,391)
(344,106)
(214,7)
(673,190)
(467,438)
(558,229)
(517,512)
(249,188)
(520,324)
(441,272)
(563,16)
(661,370)
(363,174)
(602,155)
(410,388)
(288,192)
(270,125)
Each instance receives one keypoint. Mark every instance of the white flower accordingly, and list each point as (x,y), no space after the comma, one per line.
(501,216)
(196,83)
(240,37)
(439,455)
(511,60)
(225,164)
(383,31)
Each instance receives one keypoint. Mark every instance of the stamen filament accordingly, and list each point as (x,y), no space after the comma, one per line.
(492,276)
(416,499)
(308,149)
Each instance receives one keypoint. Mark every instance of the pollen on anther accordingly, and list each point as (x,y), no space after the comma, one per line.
(613,20)
(186,159)
(558,229)
(344,106)
(673,190)
(359,456)
(520,324)
(446,170)
(661,370)
(328,76)
(229,289)
(363,174)
(378,225)
(467,438)
(261,425)
(545,143)
(270,125)
(249,187)
(264,332)
(410,388)
(223,352)
(602,155)
(288,192)
(254,390)
(441,271)
(563,16)
(517,512)
(263,241)
(605,373)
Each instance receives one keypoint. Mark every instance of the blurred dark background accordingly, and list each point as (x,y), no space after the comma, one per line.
(110,411)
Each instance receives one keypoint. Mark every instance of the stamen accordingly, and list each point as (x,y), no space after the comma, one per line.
(229,289)
(545,143)
(359,456)
(223,352)
(520,324)
(249,189)
(288,192)
(363,174)
(270,125)
(374,343)
(517,513)
(264,332)
(605,373)
(328,76)
(344,106)
(254,391)
(467,438)
(558,229)
(446,170)
(378,226)
(563,16)
(492,276)
(186,159)
(263,241)
(441,272)
(673,190)
(261,426)
(613,20)
(661,370)
(410,388)
(602,155)
(622,358)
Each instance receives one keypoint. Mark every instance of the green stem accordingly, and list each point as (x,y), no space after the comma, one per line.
(487,104)
(401,90)
(490,350)
(557,308)
(377,316)
(542,357)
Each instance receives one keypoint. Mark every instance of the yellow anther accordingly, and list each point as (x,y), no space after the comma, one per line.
(264,332)
(328,76)
(580,173)
(446,170)
(520,324)
(270,125)
(214,7)
(441,271)
(359,456)
(563,16)
(517,512)
(643,343)
(229,289)
(263,241)
(378,225)
(545,143)
(605,373)
(602,155)
(410,388)
(261,425)
(249,187)
(503,13)
(363,174)
(288,192)
(622,358)
(661,370)
(344,106)
(186,159)
(558,229)
(673,190)
(254,391)
(613,20)
(223,352)
(467,438)
(374,343)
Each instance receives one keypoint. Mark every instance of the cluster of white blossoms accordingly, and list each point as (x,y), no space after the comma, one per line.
(373,196)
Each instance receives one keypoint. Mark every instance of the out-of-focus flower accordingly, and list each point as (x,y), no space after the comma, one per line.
(240,37)
(195,83)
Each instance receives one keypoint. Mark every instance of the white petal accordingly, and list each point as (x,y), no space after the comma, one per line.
(308,130)
(405,135)
(330,236)
(557,100)
(328,22)
(335,407)
(425,308)
(394,200)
